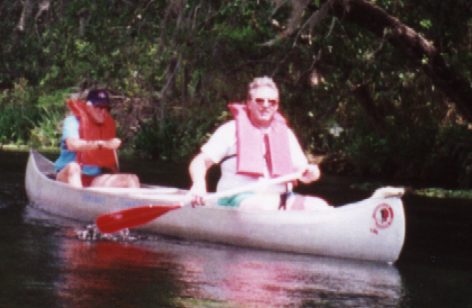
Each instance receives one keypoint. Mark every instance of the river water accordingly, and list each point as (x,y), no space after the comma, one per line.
(45,264)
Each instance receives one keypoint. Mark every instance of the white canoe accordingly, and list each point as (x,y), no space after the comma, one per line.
(372,229)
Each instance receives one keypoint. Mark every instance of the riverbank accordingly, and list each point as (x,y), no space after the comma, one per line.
(421,190)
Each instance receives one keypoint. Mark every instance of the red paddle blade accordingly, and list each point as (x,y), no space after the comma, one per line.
(132,217)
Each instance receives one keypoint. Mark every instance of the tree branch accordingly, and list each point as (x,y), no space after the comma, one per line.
(414,45)
(44,6)
(25,15)
(376,20)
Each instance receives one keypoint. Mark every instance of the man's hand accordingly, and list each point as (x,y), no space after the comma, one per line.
(198,169)
(312,173)
(197,193)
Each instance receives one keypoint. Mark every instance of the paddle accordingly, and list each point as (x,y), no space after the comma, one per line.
(140,215)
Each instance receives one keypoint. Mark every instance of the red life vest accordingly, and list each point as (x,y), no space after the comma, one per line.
(250,159)
(91,130)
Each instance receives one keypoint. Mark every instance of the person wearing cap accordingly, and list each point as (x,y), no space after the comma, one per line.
(88,145)
(257,144)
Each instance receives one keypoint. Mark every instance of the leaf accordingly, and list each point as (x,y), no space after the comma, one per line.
(426,23)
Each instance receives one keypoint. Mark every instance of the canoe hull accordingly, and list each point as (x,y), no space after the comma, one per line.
(341,234)
(372,229)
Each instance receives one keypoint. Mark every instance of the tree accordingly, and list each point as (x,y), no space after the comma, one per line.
(420,51)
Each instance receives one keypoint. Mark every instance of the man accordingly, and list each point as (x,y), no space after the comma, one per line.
(257,144)
(88,145)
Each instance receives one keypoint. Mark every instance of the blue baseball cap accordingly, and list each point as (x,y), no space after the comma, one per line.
(99,98)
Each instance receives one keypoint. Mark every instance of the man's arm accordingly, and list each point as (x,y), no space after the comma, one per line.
(311,171)
(198,169)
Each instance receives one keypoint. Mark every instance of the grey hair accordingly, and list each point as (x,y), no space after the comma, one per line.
(261,82)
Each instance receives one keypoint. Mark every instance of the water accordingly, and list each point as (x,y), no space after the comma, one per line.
(45,264)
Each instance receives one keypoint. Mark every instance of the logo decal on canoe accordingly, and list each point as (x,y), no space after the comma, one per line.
(383,217)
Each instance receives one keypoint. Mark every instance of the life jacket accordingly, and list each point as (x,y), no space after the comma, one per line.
(91,130)
(250,156)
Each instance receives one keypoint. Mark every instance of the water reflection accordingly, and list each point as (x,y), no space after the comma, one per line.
(110,274)
(174,273)
(166,272)
(248,278)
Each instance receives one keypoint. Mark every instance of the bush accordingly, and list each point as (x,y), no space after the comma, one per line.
(47,129)
(177,137)
(451,157)
(17,113)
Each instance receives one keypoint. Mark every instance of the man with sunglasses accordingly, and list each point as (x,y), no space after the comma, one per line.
(256,144)
(88,145)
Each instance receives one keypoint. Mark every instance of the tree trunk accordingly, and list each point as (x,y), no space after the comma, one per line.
(415,46)
(365,99)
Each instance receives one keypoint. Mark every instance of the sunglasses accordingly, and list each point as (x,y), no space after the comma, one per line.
(261,101)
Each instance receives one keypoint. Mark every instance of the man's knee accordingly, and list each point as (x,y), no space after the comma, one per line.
(304,203)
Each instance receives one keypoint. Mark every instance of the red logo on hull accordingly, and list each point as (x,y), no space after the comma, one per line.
(383,216)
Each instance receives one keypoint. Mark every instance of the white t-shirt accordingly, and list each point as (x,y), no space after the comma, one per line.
(222,144)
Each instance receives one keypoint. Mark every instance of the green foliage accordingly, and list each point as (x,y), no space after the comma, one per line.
(47,128)
(30,119)
(18,113)
(182,62)
(176,137)
(444,193)
(451,157)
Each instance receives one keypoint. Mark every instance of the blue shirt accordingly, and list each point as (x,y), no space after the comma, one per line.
(71,130)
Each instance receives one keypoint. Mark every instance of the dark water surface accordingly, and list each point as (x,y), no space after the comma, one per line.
(45,264)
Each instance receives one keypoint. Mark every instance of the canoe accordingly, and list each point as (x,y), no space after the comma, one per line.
(372,229)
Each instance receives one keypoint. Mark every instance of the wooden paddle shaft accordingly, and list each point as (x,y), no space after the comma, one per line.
(255,186)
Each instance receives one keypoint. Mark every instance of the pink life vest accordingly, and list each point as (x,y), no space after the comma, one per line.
(250,156)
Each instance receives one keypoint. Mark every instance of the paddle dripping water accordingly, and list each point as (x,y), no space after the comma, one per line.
(91,233)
